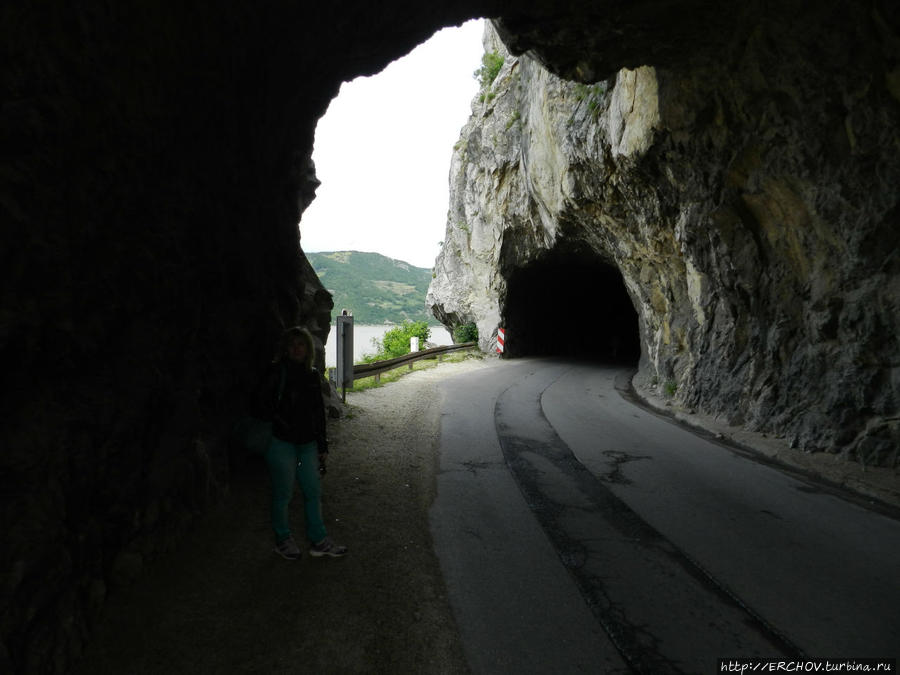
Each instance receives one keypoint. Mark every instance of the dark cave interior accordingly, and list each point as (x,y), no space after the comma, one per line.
(570,305)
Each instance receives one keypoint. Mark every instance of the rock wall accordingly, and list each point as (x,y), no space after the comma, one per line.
(750,203)
(155,161)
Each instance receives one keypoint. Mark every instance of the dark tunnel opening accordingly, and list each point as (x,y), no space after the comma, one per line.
(570,305)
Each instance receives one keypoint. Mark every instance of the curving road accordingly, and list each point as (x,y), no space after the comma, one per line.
(578,532)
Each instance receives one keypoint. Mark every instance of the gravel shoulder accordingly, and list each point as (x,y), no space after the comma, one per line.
(224,602)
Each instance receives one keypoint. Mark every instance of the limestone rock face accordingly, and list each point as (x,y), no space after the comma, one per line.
(750,206)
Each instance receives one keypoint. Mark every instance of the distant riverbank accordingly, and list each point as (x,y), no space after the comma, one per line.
(363,336)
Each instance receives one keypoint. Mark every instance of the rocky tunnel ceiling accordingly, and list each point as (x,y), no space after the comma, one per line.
(573,306)
(156,162)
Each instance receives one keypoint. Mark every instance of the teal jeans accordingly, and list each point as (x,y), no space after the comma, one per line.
(288,462)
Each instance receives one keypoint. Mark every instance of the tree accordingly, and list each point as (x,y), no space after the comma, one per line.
(396,341)
(491,63)
(466,332)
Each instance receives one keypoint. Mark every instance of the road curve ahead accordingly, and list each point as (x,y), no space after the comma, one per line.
(578,532)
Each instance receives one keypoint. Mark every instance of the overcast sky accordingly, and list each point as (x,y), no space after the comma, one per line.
(383,152)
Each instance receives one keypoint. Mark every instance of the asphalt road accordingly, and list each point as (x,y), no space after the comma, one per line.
(578,532)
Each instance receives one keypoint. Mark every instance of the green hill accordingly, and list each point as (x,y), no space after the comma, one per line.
(377,289)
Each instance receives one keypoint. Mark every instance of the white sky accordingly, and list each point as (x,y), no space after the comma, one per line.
(383,151)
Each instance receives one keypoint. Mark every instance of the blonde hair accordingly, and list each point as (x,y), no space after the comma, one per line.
(290,336)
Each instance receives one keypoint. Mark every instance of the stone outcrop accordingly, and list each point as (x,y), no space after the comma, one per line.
(750,204)
(156,161)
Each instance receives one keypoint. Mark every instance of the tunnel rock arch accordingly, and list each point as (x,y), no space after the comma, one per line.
(745,264)
(157,162)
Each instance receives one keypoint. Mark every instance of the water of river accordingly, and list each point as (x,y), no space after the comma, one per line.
(363,336)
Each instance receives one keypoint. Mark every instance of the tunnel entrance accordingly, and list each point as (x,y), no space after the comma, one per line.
(570,305)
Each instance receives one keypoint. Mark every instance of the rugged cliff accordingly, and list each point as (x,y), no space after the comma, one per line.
(750,205)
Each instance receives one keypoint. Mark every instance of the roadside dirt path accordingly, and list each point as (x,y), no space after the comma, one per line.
(225,603)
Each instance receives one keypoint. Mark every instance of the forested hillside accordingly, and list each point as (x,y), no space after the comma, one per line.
(375,288)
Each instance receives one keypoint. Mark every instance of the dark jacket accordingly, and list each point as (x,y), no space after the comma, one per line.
(298,412)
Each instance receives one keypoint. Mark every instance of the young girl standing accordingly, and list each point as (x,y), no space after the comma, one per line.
(290,396)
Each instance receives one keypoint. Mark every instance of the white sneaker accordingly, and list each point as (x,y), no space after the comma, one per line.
(288,549)
(327,547)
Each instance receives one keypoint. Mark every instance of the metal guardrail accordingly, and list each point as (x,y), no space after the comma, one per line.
(376,368)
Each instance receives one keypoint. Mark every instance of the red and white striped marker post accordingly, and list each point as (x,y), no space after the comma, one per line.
(501,336)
